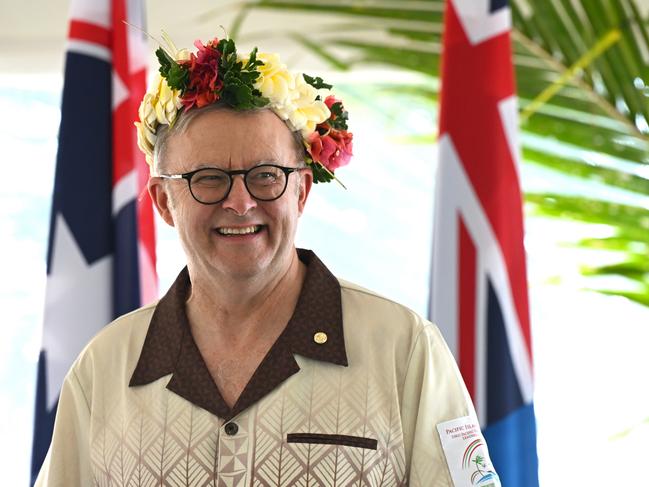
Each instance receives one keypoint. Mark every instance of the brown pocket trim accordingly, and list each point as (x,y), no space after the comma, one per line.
(344,440)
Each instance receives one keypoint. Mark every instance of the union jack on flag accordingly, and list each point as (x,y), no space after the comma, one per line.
(479,288)
(101,251)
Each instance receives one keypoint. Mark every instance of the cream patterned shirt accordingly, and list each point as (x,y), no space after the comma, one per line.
(139,407)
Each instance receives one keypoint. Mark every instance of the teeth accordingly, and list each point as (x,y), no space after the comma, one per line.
(238,231)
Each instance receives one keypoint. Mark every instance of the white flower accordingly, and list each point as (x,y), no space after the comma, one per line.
(302,110)
(274,81)
(182,55)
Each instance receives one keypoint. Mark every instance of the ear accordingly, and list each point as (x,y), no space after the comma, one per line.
(306,181)
(158,191)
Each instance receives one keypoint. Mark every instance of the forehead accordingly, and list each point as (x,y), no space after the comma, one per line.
(230,139)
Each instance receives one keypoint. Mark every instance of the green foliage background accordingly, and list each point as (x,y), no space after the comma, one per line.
(582,69)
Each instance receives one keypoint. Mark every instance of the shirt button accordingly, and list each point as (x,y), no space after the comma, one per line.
(231,429)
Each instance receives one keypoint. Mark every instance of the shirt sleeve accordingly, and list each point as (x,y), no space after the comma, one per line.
(433,393)
(67,463)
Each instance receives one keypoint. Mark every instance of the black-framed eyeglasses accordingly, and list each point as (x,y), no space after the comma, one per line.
(210,185)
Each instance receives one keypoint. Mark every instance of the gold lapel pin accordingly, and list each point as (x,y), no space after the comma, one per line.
(320,338)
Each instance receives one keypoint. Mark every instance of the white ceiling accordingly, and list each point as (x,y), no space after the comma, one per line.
(33,32)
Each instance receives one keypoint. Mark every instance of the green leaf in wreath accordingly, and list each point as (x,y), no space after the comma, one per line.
(339,116)
(320,174)
(170,70)
(317,82)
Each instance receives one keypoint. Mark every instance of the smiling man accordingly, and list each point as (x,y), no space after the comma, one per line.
(258,367)
(245,273)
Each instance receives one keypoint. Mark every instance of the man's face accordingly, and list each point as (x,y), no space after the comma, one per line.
(229,140)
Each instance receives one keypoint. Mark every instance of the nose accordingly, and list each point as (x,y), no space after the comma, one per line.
(239,200)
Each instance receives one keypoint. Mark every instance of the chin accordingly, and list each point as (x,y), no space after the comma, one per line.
(237,271)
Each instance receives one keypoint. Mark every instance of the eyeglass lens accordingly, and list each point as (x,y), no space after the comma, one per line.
(212,185)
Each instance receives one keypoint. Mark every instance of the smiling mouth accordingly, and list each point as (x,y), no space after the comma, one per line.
(234,231)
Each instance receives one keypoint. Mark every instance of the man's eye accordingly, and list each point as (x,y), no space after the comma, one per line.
(210,178)
(265,177)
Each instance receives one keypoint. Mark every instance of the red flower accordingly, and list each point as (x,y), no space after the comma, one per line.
(204,84)
(330,100)
(333,149)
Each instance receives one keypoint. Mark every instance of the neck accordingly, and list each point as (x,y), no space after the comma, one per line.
(243,307)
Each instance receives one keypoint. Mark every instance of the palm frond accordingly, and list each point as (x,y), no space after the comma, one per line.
(628,242)
(582,69)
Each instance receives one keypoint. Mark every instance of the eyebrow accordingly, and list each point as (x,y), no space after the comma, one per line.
(258,163)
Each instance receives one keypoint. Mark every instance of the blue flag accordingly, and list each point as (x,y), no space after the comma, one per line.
(100,261)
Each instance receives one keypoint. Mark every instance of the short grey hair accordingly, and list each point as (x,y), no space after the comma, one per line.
(185,118)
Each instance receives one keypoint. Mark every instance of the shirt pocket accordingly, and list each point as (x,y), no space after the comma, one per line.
(327,439)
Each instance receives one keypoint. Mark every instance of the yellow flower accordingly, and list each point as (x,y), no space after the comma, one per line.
(147,112)
(159,106)
(275,81)
(166,101)
(147,127)
(302,110)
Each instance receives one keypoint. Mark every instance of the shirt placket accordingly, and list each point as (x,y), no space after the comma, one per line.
(234,452)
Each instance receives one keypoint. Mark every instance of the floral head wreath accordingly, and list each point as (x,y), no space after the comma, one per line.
(217,73)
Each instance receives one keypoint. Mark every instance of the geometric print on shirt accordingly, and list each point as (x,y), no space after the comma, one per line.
(158,438)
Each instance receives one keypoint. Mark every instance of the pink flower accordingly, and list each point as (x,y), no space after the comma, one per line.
(204,83)
(330,101)
(333,149)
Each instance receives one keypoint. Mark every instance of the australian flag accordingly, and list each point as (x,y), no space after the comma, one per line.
(479,289)
(101,252)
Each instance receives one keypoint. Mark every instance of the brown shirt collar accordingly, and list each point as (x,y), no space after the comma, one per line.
(169,347)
